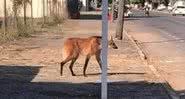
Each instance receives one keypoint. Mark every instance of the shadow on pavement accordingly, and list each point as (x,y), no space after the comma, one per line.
(113,73)
(131,19)
(164,41)
(90,17)
(15,83)
(141,17)
(181,94)
(17,73)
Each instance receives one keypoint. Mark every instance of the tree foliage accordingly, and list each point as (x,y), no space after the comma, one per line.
(20,2)
(136,1)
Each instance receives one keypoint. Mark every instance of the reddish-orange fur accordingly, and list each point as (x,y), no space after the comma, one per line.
(73,47)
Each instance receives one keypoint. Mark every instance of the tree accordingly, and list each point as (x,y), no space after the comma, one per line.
(113,8)
(31,3)
(120,20)
(44,15)
(137,1)
(47,3)
(5,19)
(24,4)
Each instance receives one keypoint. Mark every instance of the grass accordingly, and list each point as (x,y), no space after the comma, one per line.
(27,30)
(13,34)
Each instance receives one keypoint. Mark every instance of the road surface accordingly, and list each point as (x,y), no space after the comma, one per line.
(162,38)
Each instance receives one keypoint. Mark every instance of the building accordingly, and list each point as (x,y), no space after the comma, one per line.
(40,8)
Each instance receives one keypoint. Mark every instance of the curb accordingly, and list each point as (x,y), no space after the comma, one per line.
(144,59)
(165,12)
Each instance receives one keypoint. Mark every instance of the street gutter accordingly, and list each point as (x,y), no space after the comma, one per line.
(171,93)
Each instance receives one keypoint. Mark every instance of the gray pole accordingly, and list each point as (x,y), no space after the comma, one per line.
(104,49)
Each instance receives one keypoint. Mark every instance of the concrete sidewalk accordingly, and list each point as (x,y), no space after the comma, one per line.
(31,68)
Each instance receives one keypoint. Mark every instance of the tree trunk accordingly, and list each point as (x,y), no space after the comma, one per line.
(57,10)
(113,8)
(15,15)
(50,8)
(87,5)
(47,2)
(120,20)
(53,12)
(32,11)
(96,3)
(5,19)
(44,16)
(24,11)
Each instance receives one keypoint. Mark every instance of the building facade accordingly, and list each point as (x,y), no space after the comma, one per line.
(40,8)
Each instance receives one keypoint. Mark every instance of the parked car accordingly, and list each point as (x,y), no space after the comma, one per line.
(74,9)
(179,10)
(161,7)
(170,8)
(128,13)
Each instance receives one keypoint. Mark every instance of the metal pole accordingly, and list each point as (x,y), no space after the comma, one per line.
(104,49)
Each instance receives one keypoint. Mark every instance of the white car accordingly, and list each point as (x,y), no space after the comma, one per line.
(128,13)
(170,8)
(179,10)
(161,7)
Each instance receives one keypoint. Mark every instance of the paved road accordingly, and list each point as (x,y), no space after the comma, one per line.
(162,37)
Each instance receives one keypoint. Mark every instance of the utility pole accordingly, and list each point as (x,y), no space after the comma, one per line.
(104,49)
(120,20)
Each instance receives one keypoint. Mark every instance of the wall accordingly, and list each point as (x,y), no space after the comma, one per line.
(37,8)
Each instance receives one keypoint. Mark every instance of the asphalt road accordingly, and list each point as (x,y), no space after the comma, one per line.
(162,37)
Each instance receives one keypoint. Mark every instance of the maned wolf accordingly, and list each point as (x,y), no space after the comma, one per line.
(73,47)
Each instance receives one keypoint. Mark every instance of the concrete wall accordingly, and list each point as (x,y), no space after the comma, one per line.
(8,6)
(37,8)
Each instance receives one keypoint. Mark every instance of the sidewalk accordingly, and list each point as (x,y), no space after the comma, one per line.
(31,67)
